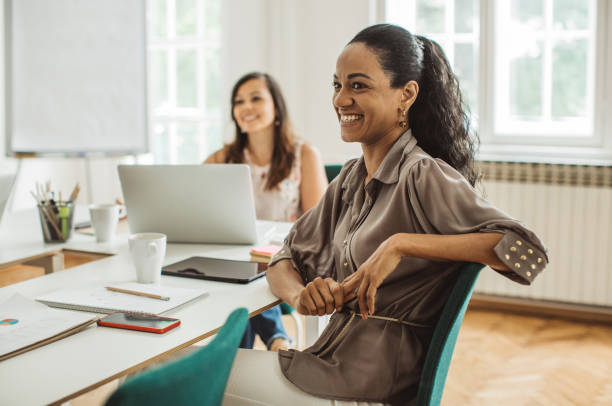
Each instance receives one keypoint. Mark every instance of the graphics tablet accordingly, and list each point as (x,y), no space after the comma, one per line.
(215,269)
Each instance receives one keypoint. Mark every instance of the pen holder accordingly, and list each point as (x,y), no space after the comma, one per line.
(56,221)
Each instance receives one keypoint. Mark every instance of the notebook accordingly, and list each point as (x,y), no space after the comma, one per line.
(102,300)
(25,325)
(264,253)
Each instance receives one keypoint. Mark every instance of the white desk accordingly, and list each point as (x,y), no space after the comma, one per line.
(74,365)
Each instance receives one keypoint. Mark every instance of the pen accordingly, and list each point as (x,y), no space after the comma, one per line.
(136,293)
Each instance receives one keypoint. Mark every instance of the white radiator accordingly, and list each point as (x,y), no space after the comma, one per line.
(570,208)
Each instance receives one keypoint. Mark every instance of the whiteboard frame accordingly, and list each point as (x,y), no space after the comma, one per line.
(8,97)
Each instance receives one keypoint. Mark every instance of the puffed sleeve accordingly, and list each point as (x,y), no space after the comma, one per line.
(308,244)
(445,203)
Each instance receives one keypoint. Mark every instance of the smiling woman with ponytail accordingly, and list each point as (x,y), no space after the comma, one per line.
(383,248)
(438,117)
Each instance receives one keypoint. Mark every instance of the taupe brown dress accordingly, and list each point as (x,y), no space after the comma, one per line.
(380,360)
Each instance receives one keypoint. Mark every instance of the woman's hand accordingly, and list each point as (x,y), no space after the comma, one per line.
(366,280)
(319,297)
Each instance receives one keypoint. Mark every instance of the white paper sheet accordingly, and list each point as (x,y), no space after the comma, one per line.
(101,300)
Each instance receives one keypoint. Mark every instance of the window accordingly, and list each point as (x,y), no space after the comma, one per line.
(184,42)
(532,71)
(453,25)
(544,61)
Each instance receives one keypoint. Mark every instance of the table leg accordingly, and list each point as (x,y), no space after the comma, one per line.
(314,328)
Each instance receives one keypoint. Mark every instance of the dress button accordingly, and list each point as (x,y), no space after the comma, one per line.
(344,242)
(346,264)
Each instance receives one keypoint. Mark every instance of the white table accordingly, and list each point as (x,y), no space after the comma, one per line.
(77,364)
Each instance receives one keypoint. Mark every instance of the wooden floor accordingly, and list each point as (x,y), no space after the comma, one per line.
(502,359)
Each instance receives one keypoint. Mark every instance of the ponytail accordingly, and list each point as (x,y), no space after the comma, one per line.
(438,118)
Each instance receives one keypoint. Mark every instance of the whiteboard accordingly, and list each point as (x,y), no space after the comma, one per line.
(75,76)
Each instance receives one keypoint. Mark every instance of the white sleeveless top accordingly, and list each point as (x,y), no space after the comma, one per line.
(282,203)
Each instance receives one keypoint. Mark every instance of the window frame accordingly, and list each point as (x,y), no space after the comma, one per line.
(595,149)
(173,116)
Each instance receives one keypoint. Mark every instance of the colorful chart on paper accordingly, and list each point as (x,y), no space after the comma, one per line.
(8,322)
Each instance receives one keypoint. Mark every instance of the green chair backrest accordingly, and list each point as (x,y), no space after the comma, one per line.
(196,379)
(285,308)
(440,352)
(332,171)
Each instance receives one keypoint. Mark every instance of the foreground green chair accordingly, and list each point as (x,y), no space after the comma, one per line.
(196,379)
(440,352)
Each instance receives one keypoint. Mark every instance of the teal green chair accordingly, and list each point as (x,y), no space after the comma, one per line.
(196,379)
(331,171)
(440,352)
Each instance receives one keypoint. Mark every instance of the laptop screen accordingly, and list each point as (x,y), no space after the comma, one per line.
(211,204)
(6,183)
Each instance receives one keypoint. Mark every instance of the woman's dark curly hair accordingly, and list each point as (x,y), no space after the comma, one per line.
(283,155)
(438,118)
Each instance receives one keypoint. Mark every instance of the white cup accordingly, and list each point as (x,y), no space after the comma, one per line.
(104,219)
(148,251)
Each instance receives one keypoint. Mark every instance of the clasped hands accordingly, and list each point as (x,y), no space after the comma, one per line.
(325,295)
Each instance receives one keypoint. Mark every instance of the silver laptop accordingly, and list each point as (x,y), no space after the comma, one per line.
(191,203)
(6,184)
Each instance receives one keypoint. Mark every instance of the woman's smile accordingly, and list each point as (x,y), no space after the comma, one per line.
(347,119)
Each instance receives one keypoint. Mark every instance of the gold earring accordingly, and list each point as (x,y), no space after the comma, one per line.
(403,122)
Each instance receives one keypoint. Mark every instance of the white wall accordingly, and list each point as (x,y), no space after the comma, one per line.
(296,41)
(307,38)
(245,35)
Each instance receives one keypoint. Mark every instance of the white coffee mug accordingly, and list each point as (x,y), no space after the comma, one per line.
(148,251)
(104,219)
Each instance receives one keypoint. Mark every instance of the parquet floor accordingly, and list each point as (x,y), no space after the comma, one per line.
(510,360)
(502,359)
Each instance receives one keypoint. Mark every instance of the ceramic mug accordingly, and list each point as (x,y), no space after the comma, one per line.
(148,251)
(104,219)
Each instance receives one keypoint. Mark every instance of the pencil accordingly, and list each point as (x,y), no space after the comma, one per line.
(49,217)
(75,192)
(136,293)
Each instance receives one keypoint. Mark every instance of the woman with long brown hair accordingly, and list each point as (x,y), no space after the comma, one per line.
(287,173)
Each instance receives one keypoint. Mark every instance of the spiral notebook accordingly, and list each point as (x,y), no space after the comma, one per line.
(102,300)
